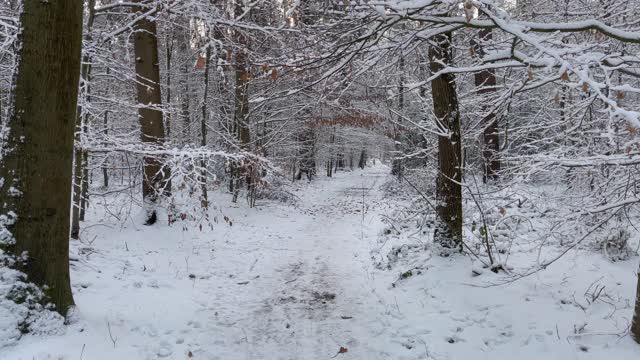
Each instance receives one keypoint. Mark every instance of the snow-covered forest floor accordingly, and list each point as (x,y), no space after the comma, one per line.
(313,281)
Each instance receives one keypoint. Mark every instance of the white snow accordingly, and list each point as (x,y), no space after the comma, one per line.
(300,282)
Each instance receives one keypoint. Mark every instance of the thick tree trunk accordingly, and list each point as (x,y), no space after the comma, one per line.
(37,164)
(635,323)
(445,106)
(151,122)
(485,82)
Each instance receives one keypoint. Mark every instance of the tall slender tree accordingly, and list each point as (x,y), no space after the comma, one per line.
(635,324)
(241,113)
(145,42)
(485,82)
(445,108)
(80,182)
(38,155)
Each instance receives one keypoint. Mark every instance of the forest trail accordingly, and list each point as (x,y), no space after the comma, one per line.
(315,293)
(300,282)
(283,282)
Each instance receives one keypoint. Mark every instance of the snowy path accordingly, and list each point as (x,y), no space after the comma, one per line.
(314,294)
(281,283)
(298,283)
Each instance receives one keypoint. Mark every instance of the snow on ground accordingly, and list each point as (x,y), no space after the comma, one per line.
(300,282)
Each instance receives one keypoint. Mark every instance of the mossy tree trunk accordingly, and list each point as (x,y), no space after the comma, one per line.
(445,107)
(37,165)
(155,175)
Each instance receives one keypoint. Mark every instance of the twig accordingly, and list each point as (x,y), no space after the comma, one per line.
(113,340)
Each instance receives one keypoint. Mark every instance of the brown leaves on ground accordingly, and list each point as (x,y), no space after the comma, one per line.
(342,350)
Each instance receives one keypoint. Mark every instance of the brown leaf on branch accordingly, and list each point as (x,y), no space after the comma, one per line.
(631,129)
(200,63)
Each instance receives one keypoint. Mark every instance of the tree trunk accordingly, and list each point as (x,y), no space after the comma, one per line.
(185,113)
(241,101)
(307,153)
(635,323)
(204,202)
(363,159)
(105,173)
(485,82)
(77,213)
(84,194)
(397,165)
(445,106)
(145,44)
(37,164)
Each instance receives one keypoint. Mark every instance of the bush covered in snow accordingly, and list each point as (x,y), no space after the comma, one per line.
(23,306)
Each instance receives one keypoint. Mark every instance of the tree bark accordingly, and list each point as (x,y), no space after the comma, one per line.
(485,82)
(145,44)
(204,201)
(635,323)
(77,213)
(448,233)
(362,163)
(105,172)
(397,165)
(37,164)
(184,37)
(241,101)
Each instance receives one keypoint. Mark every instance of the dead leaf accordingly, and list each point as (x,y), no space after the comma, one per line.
(565,76)
(631,129)
(200,63)
(274,74)
(585,87)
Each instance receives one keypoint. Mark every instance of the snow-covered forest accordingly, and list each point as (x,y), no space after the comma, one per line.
(318,179)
